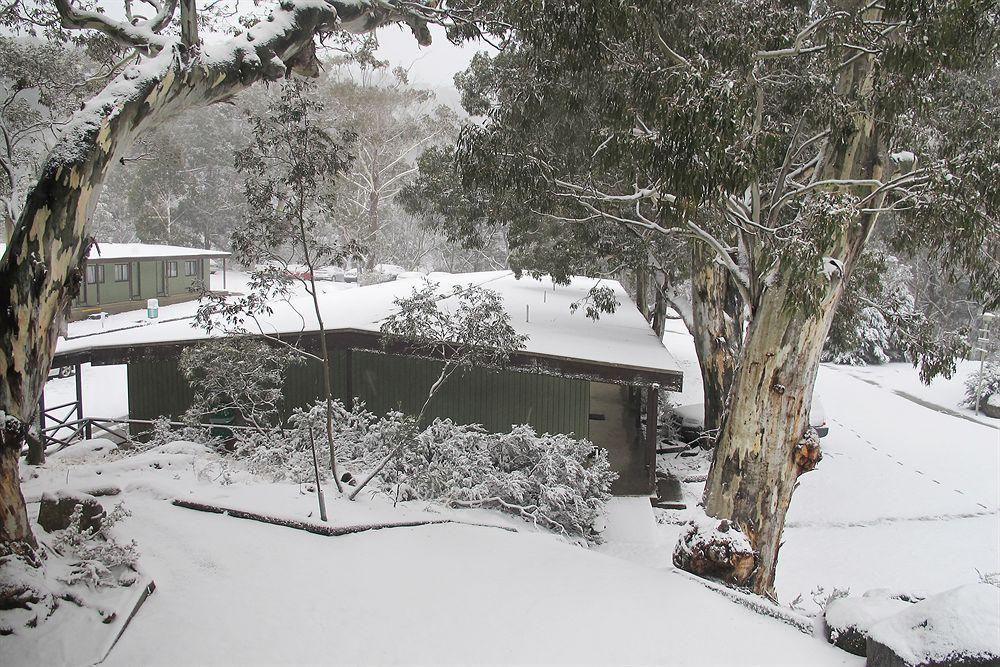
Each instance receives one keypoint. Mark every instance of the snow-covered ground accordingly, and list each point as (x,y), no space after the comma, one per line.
(906,497)
(234,591)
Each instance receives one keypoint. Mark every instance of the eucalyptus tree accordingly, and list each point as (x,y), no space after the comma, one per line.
(392,121)
(777,137)
(291,163)
(164,73)
(179,183)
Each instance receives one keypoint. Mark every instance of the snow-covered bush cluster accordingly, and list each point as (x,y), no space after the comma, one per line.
(869,322)
(554,481)
(988,387)
(95,554)
(236,374)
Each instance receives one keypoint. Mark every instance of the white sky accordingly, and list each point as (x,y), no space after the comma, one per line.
(435,65)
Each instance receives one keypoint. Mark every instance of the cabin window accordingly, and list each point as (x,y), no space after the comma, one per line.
(95,274)
(171,269)
(191,268)
(121,273)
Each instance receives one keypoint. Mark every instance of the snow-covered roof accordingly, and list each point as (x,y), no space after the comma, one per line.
(113,251)
(108,251)
(537,308)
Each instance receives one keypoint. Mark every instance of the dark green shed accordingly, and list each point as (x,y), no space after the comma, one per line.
(576,376)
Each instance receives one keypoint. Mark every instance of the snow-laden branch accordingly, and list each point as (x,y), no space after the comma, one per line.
(141,35)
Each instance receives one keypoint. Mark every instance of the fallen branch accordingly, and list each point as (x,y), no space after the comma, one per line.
(144,593)
(329,531)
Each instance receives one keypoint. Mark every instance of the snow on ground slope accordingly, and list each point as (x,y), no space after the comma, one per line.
(233,591)
(947,393)
(236,592)
(905,497)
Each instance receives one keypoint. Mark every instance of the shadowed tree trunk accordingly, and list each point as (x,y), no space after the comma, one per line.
(40,273)
(718,330)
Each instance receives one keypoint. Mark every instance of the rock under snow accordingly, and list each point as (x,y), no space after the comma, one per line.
(714,548)
(849,619)
(57,508)
(957,627)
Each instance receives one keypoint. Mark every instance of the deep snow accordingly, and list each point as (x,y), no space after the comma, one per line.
(232,591)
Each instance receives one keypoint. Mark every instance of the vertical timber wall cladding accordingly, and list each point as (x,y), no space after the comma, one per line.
(494,399)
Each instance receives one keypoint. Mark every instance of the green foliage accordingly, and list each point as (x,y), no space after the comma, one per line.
(985,387)
(240,374)
(182,188)
(468,326)
(611,121)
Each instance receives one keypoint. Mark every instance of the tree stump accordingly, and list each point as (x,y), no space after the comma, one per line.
(716,550)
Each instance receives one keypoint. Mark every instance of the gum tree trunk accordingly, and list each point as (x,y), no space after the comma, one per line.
(40,273)
(763,445)
(766,442)
(717,330)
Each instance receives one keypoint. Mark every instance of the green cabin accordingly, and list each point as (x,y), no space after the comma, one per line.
(122,276)
(589,378)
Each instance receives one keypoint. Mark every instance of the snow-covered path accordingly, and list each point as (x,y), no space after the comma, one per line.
(905,497)
(237,592)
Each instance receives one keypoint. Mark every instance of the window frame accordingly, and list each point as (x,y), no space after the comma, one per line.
(95,274)
(191,267)
(171,269)
(123,272)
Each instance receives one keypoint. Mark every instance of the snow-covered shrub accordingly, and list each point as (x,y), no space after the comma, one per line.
(554,481)
(95,552)
(286,454)
(240,374)
(273,454)
(990,384)
(878,303)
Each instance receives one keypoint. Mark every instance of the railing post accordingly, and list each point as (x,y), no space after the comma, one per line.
(41,410)
(79,392)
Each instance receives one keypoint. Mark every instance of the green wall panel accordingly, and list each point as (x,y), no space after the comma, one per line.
(156,388)
(495,399)
(145,281)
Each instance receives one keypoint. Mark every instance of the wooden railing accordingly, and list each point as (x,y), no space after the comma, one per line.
(65,433)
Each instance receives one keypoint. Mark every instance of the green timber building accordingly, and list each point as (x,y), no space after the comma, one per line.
(592,379)
(121,276)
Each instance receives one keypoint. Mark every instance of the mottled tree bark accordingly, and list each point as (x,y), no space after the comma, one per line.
(40,272)
(717,318)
